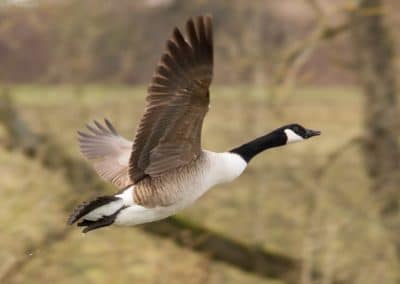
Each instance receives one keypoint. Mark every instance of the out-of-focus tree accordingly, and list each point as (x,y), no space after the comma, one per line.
(375,54)
(19,32)
(119,41)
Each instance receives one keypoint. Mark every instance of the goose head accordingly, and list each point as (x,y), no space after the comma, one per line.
(296,133)
(279,137)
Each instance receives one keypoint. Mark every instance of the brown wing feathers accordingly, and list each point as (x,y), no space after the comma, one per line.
(169,132)
(108,151)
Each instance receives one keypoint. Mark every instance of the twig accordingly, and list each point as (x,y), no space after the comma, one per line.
(284,79)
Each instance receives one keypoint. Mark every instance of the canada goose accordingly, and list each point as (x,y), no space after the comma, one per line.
(164,169)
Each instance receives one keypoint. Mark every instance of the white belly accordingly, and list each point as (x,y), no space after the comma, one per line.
(220,167)
(136,214)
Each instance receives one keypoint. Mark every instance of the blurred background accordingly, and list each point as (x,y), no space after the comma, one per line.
(325,211)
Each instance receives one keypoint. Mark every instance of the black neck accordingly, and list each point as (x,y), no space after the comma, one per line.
(249,150)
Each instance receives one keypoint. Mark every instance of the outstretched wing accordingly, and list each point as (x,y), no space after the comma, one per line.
(108,151)
(178,97)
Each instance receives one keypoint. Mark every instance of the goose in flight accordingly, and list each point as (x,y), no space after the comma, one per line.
(164,169)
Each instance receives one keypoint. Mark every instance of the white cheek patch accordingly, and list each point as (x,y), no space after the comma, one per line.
(292,136)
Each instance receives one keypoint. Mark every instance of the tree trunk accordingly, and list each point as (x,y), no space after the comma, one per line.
(375,53)
(374,50)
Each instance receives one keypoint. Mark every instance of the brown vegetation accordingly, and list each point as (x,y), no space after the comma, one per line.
(119,41)
(324,212)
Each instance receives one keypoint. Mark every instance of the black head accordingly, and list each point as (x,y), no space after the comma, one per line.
(295,132)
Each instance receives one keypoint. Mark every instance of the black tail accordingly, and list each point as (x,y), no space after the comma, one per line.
(87,207)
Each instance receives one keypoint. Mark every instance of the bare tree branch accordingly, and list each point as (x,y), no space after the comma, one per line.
(295,57)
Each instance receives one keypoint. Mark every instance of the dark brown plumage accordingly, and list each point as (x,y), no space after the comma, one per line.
(169,133)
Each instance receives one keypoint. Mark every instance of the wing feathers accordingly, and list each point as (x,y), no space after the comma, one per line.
(108,151)
(191,32)
(111,127)
(176,104)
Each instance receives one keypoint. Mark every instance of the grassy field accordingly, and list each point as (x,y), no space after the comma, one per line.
(278,203)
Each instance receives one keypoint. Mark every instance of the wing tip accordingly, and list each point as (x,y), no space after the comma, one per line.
(110,126)
(200,36)
(99,129)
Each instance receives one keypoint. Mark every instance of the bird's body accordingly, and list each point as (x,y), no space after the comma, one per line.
(179,189)
(153,199)
(164,169)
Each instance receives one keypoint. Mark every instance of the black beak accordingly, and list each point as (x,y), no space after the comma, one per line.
(311,133)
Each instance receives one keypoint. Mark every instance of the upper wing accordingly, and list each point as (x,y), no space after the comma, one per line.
(108,151)
(178,97)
